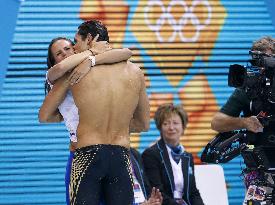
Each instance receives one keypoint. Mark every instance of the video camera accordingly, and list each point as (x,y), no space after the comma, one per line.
(224,147)
(259,157)
(257,78)
(228,145)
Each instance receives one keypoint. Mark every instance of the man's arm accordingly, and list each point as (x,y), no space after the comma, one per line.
(227,119)
(224,123)
(49,109)
(141,117)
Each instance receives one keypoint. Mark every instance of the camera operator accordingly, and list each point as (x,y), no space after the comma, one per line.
(228,118)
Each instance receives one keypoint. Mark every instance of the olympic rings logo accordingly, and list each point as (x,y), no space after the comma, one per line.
(177,25)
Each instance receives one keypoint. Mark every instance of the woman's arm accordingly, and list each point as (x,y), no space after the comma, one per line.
(67,64)
(113,56)
(108,57)
(141,117)
(72,61)
(49,109)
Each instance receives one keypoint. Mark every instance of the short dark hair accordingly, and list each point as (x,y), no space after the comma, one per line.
(164,111)
(93,27)
(50,58)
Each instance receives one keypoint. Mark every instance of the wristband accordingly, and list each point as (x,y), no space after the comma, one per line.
(92,59)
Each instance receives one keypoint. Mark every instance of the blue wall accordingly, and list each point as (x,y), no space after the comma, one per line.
(8,16)
(33,156)
(271,9)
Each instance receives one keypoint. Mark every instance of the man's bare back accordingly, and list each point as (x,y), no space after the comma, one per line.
(107,99)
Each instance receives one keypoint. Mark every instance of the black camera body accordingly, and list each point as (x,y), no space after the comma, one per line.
(257,78)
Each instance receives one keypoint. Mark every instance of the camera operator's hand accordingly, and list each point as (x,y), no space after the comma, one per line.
(224,123)
(252,124)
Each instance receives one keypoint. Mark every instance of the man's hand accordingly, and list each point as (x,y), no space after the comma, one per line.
(224,123)
(99,47)
(253,124)
(155,198)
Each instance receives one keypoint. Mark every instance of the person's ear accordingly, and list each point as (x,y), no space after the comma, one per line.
(89,39)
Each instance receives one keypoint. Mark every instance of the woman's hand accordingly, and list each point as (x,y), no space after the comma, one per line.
(155,198)
(99,47)
(80,71)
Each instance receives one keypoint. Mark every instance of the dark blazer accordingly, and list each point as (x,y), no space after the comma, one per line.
(159,171)
(137,164)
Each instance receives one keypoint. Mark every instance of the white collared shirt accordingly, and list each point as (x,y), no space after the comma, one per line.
(69,112)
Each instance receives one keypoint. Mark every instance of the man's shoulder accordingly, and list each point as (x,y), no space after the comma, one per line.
(239,91)
(133,67)
(129,63)
(239,94)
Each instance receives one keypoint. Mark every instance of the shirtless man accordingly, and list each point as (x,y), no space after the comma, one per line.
(111,100)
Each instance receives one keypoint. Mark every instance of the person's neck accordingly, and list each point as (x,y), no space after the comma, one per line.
(171,143)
